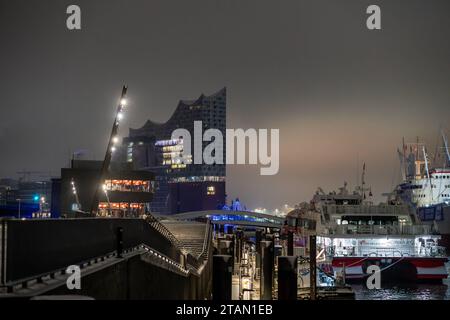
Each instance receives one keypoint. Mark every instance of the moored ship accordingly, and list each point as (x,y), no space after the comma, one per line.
(353,234)
(426,185)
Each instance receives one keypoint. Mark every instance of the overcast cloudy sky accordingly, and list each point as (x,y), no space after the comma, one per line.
(339,93)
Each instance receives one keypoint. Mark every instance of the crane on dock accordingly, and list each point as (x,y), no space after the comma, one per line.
(113,140)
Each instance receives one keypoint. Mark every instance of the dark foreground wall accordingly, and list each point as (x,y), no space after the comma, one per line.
(136,279)
(35,247)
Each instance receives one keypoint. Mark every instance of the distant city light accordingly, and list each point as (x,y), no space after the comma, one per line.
(36,198)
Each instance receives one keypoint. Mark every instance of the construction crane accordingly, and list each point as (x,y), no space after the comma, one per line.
(109,150)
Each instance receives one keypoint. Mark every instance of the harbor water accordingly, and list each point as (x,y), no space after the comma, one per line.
(405,292)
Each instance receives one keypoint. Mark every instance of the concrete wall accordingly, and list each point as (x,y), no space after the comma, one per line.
(135,279)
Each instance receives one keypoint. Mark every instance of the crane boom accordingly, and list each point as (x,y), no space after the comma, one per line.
(109,151)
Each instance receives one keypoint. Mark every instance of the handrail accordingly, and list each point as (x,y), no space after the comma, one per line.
(207,239)
(164,231)
(192,264)
(166,242)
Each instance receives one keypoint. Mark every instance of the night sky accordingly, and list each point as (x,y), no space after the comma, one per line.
(340,94)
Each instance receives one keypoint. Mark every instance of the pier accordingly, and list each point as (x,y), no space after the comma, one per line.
(134,258)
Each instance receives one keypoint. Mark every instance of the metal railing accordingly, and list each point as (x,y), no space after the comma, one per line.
(197,263)
(30,249)
(380,229)
(368,209)
(152,221)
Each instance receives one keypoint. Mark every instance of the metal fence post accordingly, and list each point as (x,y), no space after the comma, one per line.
(119,242)
(287,278)
(290,243)
(267,266)
(222,277)
(312,267)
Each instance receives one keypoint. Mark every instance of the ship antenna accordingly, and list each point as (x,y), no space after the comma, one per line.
(417,148)
(426,169)
(363,182)
(404,158)
(402,163)
(445,145)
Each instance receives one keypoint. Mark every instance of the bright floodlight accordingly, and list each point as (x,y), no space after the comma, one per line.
(113,149)
(120,115)
(123,102)
(115,139)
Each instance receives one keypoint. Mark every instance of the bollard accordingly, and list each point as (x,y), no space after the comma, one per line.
(290,243)
(119,242)
(287,278)
(222,277)
(224,247)
(231,250)
(267,264)
(239,239)
(258,238)
(312,267)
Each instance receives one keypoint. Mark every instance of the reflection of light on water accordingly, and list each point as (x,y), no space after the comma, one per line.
(406,292)
(419,292)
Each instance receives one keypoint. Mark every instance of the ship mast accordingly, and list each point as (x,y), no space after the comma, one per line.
(405,170)
(445,146)
(427,171)
(402,164)
(362,189)
(363,182)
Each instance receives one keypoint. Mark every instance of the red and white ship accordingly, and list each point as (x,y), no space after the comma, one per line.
(397,268)
(426,185)
(353,234)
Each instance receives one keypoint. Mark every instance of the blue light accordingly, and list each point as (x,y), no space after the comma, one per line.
(36,197)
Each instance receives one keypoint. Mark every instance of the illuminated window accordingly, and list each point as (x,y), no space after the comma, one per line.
(211,190)
(130,152)
(128,185)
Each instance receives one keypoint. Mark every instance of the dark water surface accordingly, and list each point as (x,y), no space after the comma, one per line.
(405,292)
(418,292)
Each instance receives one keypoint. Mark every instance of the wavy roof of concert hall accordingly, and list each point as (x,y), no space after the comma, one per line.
(183,112)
